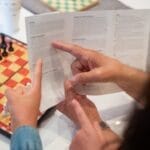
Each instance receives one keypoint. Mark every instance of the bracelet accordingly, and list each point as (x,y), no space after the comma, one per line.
(104,125)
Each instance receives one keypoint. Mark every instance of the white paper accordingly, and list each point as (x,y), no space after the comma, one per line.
(58,131)
(122,34)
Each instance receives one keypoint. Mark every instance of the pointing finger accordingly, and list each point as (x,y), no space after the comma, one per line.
(81,116)
(75,50)
(37,76)
(98,129)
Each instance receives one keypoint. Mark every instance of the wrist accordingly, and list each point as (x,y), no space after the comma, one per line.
(132,80)
(16,124)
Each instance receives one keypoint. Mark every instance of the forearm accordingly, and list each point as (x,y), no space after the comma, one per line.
(26,138)
(132,81)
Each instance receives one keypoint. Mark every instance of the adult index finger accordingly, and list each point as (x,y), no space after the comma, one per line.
(75,50)
(81,116)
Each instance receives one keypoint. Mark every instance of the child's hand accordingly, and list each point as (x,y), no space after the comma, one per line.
(24,102)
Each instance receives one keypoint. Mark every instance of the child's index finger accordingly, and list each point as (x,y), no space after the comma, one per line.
(37,77)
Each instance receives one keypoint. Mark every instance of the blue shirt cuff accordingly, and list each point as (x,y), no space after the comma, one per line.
(26,138)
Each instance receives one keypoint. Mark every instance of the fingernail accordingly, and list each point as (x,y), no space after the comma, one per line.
(56,41)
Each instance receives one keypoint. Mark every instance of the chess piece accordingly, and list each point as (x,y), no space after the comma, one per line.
(0,55)
(3,44)
(4,53)
(11,49)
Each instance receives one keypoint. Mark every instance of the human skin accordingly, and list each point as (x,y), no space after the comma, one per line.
(90,135)
(23,102)
(91,66)
(82,111)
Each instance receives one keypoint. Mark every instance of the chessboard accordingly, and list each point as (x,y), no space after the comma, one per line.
(14,70)
(70,5)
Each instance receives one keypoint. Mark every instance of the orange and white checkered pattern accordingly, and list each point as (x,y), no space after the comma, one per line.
(14,70)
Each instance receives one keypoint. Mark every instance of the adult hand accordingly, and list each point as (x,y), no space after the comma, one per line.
(91,136)
(90,66)
(89,107)
(23,102)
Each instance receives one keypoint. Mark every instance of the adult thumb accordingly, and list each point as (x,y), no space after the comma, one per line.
(86,77)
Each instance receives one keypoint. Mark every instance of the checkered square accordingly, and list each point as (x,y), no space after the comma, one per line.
(3,78)
(3,100)
(24,71)
(70,5)
(25,81)
(1,96)
(3,88)
(17,77)
(11,83)
(8,72)
(15,67)
(19,53)
(6,63)
(1,108)
(2,68)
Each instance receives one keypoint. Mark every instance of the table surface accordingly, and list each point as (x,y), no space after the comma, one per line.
(39,7)
(106,101)
(137,4)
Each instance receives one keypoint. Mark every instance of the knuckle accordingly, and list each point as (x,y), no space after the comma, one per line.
(75,65)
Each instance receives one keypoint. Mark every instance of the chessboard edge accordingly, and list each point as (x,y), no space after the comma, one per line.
(83,9)
(6,134)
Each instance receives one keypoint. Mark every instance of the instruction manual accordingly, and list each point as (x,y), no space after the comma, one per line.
(123,34)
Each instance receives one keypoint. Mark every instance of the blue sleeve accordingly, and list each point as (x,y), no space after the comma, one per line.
(26,138)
